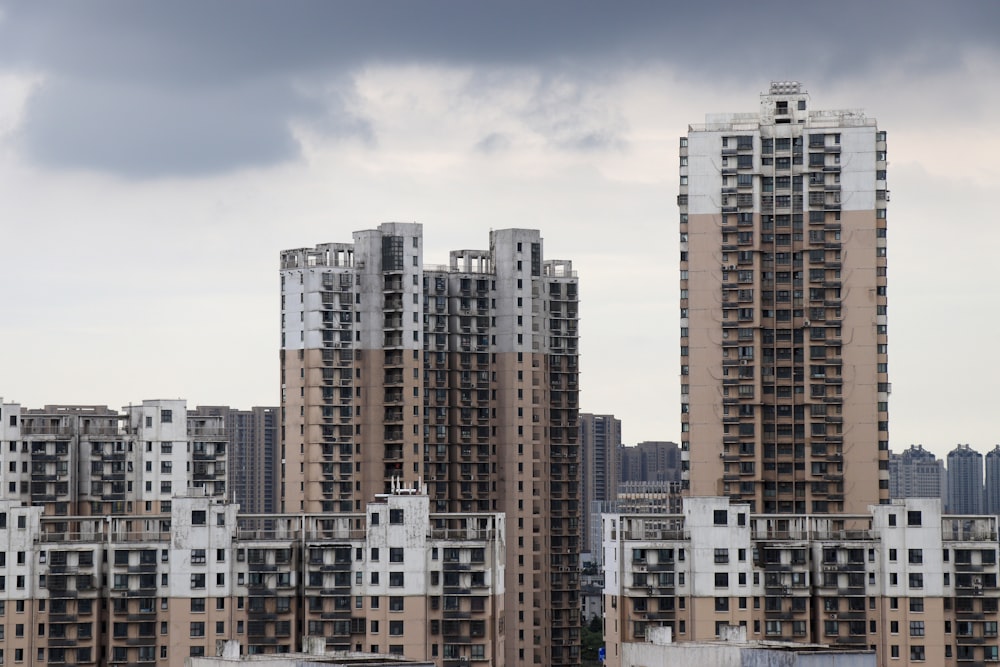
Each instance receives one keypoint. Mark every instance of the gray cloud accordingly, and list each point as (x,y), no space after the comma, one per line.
(494,142)
(187,87)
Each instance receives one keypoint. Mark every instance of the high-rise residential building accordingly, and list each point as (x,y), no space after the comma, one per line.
(252,440)
(991,492)
(965,481)
(464,376)
(784,387)
(917,473)
(650,461)
(600,442)
(914,585)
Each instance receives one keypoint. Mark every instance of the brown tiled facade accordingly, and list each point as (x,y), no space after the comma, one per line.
(784,387)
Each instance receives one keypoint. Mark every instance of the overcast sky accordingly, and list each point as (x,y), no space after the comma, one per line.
(156,157)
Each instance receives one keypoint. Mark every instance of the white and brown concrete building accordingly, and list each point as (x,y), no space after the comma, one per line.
(159,588)
(784,387)
(903,580)
(77,460)
(464,375)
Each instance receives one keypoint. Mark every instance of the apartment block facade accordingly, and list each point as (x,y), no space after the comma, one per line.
(90,460)
(784,387)
(915,586)
(157,589)
(464,376)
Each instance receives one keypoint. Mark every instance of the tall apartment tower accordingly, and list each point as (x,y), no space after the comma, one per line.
(600,442)
(991,493)
(784,387)
(965,481)
(463,376)
(917,473)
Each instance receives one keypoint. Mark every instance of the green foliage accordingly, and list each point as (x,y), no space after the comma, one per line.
(591,639)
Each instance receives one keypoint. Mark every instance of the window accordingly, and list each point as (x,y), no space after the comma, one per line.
(395,579)
(198,518)
(395,554)
(721,516)
(913,518)
(197,629)
(721,579)
(916,628)
(197,605)
(395,628)
(166,416)
(916,556)
(917,652)
(198,580)
(722,555)
(395,516)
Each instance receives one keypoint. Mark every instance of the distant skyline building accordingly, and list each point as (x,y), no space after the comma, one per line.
(650,461)
(965,481)
(917,473)
(991,492)
(783,320)
(253,437)
(600,442)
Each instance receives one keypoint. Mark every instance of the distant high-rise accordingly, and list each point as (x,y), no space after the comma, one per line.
(991,494)
(650,461)
(917,473)
(464,376)
(965,481)
(253,452)
(784,366)
(600,440)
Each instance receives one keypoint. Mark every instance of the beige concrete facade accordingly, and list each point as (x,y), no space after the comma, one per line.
(463,377)
(913,585)
(783,307)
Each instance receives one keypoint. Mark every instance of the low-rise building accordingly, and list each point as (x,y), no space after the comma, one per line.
(162,588)
(904,580)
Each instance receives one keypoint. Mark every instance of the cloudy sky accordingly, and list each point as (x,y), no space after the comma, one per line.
(156,157)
